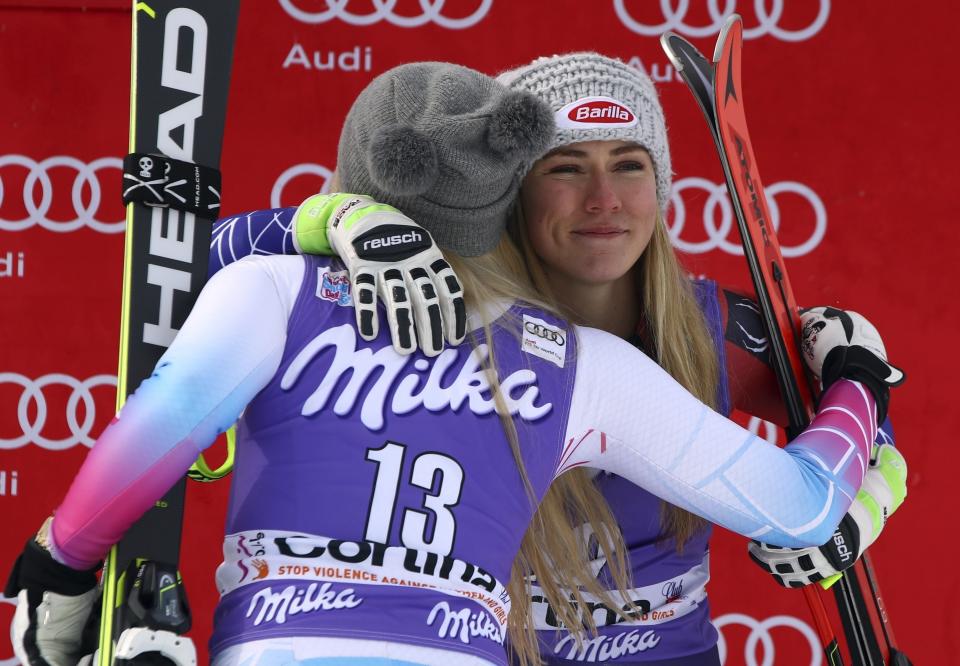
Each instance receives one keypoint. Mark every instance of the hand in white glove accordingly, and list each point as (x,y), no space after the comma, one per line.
(388,254)
(53,604)
(883,491)
(841,343)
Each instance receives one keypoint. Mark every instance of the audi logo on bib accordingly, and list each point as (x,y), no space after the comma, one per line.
(450,15)
(86,193)
(769,16)
(544,332)
(721,234)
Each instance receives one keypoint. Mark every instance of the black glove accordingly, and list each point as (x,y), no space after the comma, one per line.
(883,491)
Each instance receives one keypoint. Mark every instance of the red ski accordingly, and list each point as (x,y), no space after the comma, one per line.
(717,89)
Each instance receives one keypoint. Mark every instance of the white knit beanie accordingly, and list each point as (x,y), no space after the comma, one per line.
(596,98)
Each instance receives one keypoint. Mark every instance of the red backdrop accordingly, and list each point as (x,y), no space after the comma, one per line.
(852,117)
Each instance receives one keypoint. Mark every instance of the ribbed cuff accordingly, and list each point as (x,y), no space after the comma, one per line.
(310,223)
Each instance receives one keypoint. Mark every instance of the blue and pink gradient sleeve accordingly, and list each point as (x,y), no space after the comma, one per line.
(652,432)
(226,352)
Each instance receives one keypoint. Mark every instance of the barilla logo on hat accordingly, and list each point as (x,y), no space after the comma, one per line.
(595,112)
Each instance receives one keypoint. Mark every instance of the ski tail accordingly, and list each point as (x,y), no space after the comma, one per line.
(697,73)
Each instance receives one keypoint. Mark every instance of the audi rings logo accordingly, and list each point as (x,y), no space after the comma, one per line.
(431,11)
(769,21)
(34,413)
(317,182)
(760,634)
(718,231)
(543,332)
(38,193)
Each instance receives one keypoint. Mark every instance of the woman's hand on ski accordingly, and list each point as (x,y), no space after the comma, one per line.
(843,344)
(390,255)
(883,491)
(53,604)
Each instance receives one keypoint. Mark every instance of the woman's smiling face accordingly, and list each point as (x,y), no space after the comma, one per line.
(590,209)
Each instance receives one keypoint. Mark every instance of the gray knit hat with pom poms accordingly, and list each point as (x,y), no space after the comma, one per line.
(444,144)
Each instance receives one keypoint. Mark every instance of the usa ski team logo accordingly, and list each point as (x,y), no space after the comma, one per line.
(595,113)
(334,287)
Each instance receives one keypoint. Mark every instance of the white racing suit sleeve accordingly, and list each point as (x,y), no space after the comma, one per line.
(630,418)
(227,351)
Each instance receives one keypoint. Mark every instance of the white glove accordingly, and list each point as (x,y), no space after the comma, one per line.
(826,328)
(388,254)
(883,491)
(55,626)
(841,343)
(53,604)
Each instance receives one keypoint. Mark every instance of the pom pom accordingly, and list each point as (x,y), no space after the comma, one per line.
(402,160)
(521,127)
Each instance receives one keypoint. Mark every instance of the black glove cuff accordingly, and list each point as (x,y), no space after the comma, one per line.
(35,568)
(861,365)
(842,548)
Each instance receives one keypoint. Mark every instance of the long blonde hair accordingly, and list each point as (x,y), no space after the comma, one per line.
(677,334)
(552,548)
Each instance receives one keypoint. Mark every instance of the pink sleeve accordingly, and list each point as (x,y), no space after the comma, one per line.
(226,352)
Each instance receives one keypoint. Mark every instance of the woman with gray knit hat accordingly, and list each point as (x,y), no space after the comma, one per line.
(610,121)
(379,500)
(590,221)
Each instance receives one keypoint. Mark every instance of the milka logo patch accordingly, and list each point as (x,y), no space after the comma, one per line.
(334,286)
(276,607)
(605,648)
(544,340)
(428,385)
(463,624)
(595,112)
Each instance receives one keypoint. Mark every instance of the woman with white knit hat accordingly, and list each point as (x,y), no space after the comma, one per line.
(591,222)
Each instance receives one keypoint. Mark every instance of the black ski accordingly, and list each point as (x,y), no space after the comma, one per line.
(180,73)
(717,88)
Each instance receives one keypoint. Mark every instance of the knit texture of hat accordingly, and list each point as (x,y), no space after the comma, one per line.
(567,82)
(446,145)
